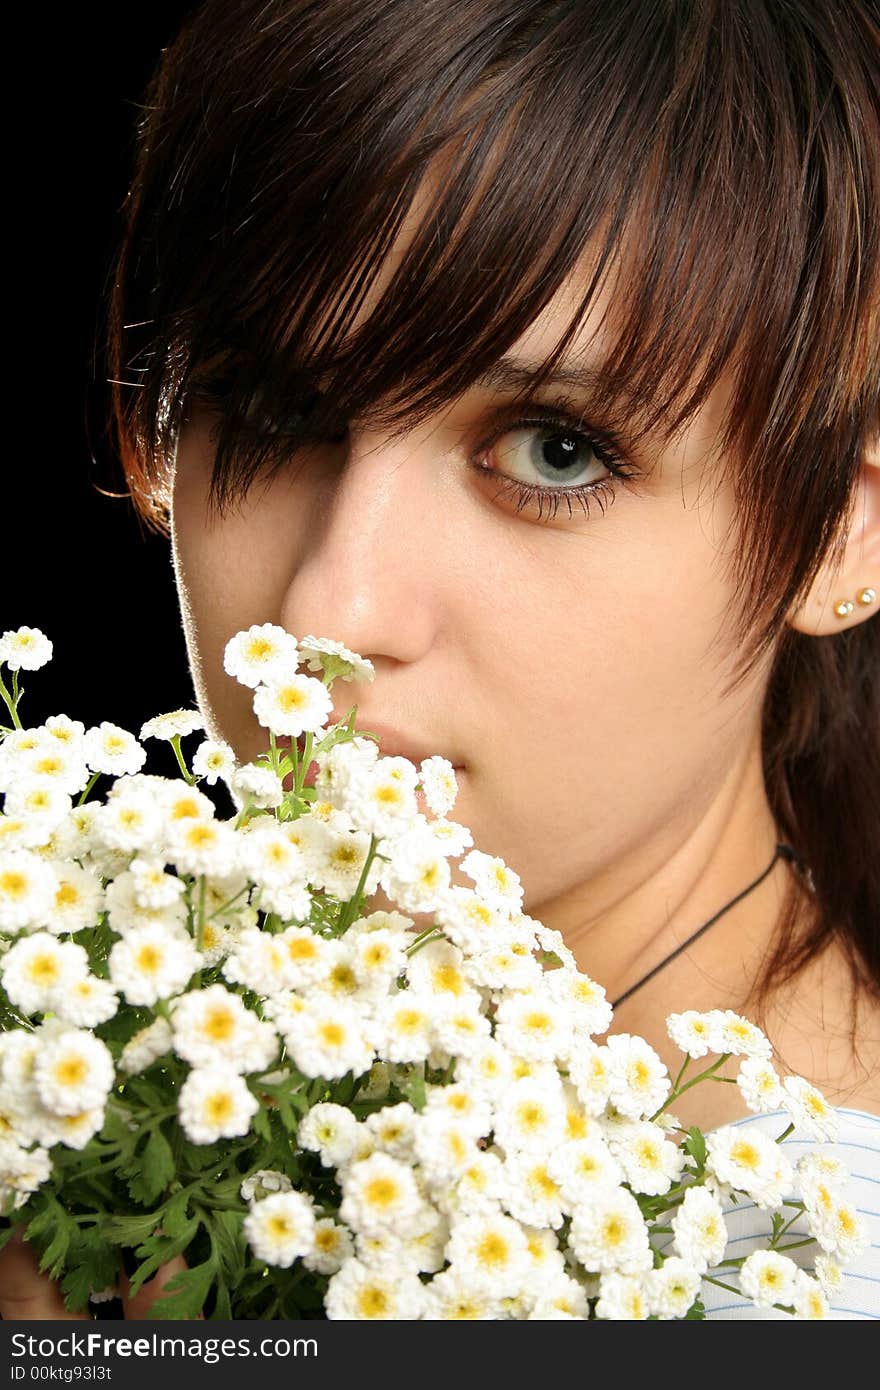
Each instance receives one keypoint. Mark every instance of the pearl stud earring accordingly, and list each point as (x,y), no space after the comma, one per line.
(844,606)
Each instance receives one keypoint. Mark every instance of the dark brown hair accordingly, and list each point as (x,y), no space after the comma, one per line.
(731,150)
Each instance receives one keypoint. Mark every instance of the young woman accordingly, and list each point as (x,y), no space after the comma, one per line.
(531,348)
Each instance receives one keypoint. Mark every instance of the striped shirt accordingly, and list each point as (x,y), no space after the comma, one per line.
(858,1148)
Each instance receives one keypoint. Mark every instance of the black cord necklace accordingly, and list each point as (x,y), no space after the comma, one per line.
(781,851)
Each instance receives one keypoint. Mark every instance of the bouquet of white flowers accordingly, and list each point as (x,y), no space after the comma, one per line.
(211,1048)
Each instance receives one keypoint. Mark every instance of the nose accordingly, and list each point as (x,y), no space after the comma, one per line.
(371,570)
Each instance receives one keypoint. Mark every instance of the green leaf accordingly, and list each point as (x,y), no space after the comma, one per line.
(156,1169)
(185,1294)
(64,1229)
(93,1265)
(225,1229)
(695,1145)
(130,1229)
(414,1090)
(159,1248)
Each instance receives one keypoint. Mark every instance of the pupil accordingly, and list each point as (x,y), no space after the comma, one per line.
(559,453)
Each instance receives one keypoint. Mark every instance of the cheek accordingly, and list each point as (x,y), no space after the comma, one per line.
(615,720)
(230,573)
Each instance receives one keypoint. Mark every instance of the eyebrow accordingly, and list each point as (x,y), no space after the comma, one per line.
(515,374)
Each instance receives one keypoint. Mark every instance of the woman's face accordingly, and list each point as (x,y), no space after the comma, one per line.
(572,666)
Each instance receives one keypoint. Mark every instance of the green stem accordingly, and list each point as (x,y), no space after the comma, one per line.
(92,780)
(719,1283)
(352,908)
(10,702)
(702,1076)
(188,777)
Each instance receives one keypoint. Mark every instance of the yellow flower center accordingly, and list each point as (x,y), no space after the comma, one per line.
(70,1071)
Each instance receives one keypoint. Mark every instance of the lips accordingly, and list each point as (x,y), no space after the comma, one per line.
(393,743)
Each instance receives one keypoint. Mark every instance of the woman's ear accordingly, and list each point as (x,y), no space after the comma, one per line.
(848,592)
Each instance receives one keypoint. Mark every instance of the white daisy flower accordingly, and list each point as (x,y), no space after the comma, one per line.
(215,1103)
(152,886)
(532,1194)
(146,1047)
(41,800)
(374,1291)
(583,1167)
(650,1161)
(73,1072)
(497,883)
(591,1073)
(260,786)
(176,723)
(293,705)
(695,1033)
(491,1251)
(380,1197)
(698,1230)
(329,1038)
(264,1182)
(202,846)
(79,899)
(335,660)
(25,649)
(639,1080)
(564,1299)
(486,1069)
(741,1037)
(418,874)
(749,1161)
(125,911)
(469,921)
(767,1277)
(810,1299)
(460,1028)
(759,1085)
(383,799)
(504,967)
(22,1171)
(27,889)
(454,1296)
(452,838)
(338,861)
(445,1147)
(437,776)
(534,1025)
(530,1116)
(259,653)
(131,821)
(610,1234)
(24,832)
(837,1225)
(393,1129)
(622,1298)
(817,1167)
(281,1228)
(470,1187)
(829,1275)
(152,963)
(809,1109)
(672,1289)
(53,763)
(108,748)
(332,1248)
(269,857)
(584,1001)
(67,732)
(37,969)
(330,1130)
(86,1002)
(179,801)
(212,760)
(212,1027)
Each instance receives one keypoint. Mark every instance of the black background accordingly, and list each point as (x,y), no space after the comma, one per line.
(77,563)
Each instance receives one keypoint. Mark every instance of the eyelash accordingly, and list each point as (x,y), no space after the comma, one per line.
(561,416)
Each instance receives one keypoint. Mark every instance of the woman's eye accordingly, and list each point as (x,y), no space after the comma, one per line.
(542,463)
(541,456)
